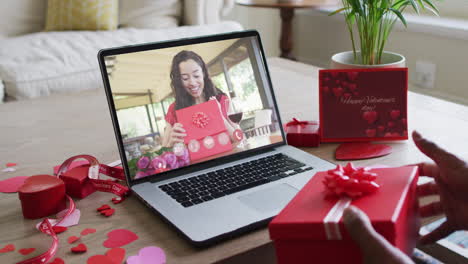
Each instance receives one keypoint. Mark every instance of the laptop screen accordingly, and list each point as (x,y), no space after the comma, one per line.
(183,105)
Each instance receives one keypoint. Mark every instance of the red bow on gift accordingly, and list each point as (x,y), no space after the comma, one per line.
(351,182)
(296,122)
(200,119)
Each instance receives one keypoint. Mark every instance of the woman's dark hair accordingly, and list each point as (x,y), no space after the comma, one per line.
(182,97)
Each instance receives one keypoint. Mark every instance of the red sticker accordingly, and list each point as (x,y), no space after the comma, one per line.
(57,261)
(12,185)
(7,248)
(88,231)
(108,212)
(119,238)
(26,251)
(81,248)
(72,239)
(238,134)
(59,229)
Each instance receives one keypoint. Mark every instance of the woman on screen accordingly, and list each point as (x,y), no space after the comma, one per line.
(191,85)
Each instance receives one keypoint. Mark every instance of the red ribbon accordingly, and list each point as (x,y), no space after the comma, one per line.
(351,182)
(296,122)
(200,119)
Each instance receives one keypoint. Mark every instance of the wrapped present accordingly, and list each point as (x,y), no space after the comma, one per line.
(81,180)
(310,228)
(206,133)
(42,195)
(302,133)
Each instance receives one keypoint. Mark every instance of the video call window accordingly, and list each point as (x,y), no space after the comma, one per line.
(183,105)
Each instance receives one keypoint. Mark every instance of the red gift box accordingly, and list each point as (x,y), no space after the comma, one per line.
(303,133)
(310,228)
(205,129)
(41,196)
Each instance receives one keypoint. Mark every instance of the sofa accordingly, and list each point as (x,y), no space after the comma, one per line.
(36,63)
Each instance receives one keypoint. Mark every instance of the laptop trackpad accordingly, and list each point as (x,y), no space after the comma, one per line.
(271,199)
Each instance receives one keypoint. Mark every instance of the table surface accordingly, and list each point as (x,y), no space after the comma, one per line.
(38,134)
(293,4)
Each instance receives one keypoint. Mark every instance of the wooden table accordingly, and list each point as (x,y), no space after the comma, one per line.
(287,14)
(38,134)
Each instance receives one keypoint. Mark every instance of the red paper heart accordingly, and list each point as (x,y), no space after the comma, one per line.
(12,185)
(103,207)
(113,256)
(26,251)
(370,116)
(11,164)
(38,183)
(117,255)
(119,238)
(7,248)
(81,248)
(364,150)
(108,212)
(59,229)
(88,231)
(57,261)
(72,239)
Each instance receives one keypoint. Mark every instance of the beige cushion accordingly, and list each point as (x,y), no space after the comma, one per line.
(150,14)
(82,15)
(18,17)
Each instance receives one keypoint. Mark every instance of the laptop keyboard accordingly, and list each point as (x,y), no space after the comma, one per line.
(216,184)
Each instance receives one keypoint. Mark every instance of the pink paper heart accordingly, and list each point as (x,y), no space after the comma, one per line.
(119,238)
(12,185)
(148,255)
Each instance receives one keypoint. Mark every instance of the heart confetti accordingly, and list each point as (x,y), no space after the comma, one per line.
(103,207)
(11,164)
(81,248)
(361,150)
(9,169)
(59,229)
(108,212)
(7,248)
(26,251)
(119,238)
(117,200)
(88,231)
(57,261)
(12,185)
(113,256)
(148,255)
(72,239)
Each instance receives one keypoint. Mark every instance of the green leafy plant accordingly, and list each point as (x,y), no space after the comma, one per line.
(374,20)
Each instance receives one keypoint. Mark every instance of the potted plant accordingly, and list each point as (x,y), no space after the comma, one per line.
(374,21)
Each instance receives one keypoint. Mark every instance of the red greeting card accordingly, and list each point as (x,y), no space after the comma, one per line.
(205,129)
(363,104)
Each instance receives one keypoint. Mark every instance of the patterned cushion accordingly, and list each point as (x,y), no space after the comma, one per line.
(82,15)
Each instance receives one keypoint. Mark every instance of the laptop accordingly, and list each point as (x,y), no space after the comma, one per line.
(199,134)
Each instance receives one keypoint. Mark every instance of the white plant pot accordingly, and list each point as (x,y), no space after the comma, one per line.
(345,60)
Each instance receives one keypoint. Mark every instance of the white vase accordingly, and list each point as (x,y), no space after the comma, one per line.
(345,60)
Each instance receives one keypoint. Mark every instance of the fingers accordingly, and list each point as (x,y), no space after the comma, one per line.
(440,232)
(359,227)
(178,127)
(430,188)
(428,169)
(179,135)
(433,151)
(431,209)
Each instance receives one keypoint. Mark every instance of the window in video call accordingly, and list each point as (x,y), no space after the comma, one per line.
(188,104)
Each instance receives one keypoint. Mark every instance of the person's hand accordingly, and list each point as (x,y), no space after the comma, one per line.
(217,102)
(451,184)
(374,247)
(176,134)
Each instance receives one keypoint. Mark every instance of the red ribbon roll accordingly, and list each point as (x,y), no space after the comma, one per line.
(351,182)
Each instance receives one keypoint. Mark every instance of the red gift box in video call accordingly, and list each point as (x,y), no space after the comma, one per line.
(310,228)
(206,133)
(363,104)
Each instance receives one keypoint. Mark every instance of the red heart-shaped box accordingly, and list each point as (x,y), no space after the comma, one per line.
(41,196)
(77,182)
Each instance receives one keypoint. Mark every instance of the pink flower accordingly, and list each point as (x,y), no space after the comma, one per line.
(158,163)
(171,160)
(143,162)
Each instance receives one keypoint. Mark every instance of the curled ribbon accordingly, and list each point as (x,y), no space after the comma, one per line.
(351,182)
(200,119)
(296,122)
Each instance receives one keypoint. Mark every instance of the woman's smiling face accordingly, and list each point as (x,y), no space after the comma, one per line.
(192,77)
